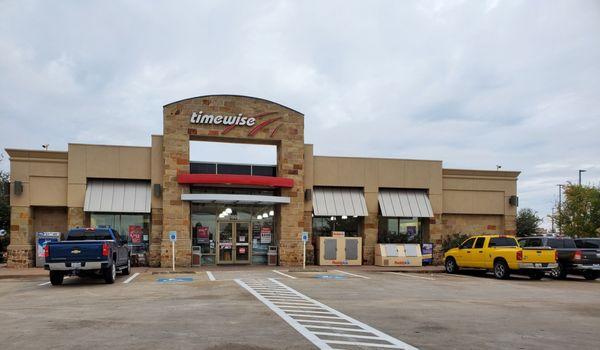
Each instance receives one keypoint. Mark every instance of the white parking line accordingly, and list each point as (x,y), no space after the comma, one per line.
(210,276)
(352,274)
(320,326)
(43,284)
(414,276)
(284,274)
(132,277)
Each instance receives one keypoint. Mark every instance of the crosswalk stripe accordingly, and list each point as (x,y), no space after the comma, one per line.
(317,322)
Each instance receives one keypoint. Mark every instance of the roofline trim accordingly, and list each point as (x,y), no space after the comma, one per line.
(233,95)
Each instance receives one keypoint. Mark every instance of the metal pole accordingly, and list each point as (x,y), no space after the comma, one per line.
(580,171)
(173,253)
(304,256)
(559,208)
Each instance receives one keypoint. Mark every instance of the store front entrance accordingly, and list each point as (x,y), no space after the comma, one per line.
(234,243)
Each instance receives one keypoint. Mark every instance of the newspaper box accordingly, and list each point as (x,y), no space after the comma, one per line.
(41,238)
(398,255)
(340,250)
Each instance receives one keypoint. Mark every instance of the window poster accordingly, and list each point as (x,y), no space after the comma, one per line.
(265,235)
(136,233)
(202,234)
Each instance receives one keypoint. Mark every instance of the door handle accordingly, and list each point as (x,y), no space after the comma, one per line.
(481,251)
(468,252)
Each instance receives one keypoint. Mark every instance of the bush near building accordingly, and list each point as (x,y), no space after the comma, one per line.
(527,222)
(579,215)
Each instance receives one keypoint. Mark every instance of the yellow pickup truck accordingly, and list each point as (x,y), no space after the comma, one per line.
(502,255)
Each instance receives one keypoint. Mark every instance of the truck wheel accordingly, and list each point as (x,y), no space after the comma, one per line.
(126,271)
(559,272)
(451,266)
(110,274)
(590,275)
(501,270)
(56,278)
(537,275)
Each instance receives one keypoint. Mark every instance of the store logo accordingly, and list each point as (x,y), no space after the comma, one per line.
(199,118)
(236,120)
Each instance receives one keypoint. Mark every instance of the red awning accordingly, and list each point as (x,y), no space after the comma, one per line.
(226,179)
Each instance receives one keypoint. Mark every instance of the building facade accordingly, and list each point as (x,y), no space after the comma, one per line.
(235,213)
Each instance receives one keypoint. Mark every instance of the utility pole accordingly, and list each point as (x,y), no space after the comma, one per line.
(560,186)
(580,171)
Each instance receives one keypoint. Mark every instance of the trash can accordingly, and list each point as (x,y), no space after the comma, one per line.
(41,238)
(196,255)
(272,255)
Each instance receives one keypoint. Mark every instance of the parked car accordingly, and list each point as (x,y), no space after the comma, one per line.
(88,251)
(571,259)
(502,255)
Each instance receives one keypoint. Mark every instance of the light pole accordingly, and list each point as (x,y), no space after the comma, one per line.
(581,171)
(560,186)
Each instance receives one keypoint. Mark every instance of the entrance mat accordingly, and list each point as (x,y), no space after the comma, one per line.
(174,280)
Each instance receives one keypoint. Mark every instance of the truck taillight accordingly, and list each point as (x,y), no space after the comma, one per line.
(555,255)
(105,249)
(577,255)
(520,255)
(46,251)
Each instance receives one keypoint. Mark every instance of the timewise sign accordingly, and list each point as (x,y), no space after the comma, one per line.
(231,121)
(200,118)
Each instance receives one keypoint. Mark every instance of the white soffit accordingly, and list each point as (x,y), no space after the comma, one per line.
(118,196)
(338,201)
(404,203)
(233,198)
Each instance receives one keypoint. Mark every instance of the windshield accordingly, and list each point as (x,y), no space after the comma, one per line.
(95,235)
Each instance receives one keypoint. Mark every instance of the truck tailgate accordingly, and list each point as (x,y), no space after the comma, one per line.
(589,257)
(75,251)
(539,255)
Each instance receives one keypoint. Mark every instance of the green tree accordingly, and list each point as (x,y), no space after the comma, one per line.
(579,214)
(527,222)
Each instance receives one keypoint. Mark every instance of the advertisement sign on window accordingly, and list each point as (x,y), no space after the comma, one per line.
(265,235)
(202,234)
(135,234)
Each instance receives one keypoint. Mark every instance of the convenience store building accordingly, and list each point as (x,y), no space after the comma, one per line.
(232,213)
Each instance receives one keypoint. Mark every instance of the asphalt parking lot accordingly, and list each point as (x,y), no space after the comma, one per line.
(247,308)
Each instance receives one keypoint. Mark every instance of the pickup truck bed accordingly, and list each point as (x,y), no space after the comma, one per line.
(571,258)
(88,252)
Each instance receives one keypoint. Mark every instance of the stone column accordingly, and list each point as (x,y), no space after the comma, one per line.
(510,224)
(156,230)
(290,159)
(75,217)
(370,231)
(436,236)
(21,251)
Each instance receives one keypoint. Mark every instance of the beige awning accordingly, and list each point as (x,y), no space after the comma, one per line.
(404,203)
(118,196)
(339,201)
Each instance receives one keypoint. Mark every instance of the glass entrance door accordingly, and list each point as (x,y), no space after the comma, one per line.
(234,243)
(242,239)
(225,242)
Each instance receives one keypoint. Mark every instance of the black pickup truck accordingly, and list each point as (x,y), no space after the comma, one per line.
(88,251)
(572,259)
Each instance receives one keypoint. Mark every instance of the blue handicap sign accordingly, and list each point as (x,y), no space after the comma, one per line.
(174,280)
(330,277)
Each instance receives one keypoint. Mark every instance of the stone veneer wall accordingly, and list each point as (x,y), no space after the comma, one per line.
(21,251)
(75,217)
(156,230)
(286,132)
(370,233)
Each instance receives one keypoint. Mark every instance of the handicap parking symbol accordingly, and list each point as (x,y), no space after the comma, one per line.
(174,280)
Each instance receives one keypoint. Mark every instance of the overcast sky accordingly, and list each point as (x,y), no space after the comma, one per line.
(472,83)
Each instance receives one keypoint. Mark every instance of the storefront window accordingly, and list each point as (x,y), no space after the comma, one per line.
(207,218)
(323,226)
(135,227)
(400,230)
